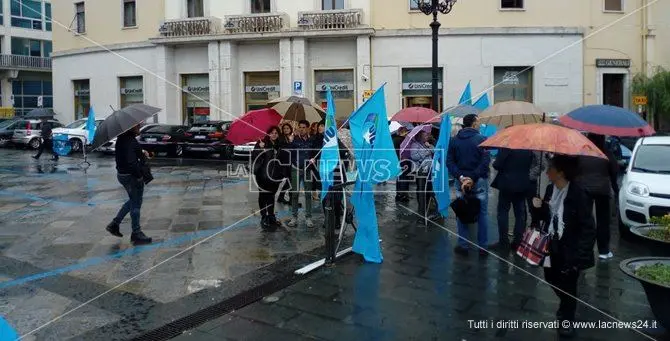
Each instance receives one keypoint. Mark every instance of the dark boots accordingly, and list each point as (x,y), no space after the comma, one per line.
(114,229)
(139,238)
(270,223)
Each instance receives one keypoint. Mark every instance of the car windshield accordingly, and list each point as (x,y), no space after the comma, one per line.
(652,158)
(203,128)
(7,123)
(76,124)
(158,130)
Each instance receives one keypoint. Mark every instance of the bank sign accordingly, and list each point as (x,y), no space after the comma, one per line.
(420,86)
(335,86)
(262,88)
(196,89)
(131,91)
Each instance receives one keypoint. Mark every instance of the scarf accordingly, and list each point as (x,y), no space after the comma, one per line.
(556,225)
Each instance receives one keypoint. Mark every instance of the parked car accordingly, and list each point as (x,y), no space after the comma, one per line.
(210,138)
(29,133)
(77,134)
(163,139)
(7,131)
(244,150)
(110,147)
(645,188)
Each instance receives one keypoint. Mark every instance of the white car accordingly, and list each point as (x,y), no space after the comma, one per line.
(244,150)
(77,133)
(645,188)
(110,147)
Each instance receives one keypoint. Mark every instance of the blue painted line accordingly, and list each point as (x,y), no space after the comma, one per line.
(7,333)
(191,236)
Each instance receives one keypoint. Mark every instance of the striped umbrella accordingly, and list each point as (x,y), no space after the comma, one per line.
(296,108)
(511,113)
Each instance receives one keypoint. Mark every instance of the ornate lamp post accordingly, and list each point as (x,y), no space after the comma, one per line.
(435,7)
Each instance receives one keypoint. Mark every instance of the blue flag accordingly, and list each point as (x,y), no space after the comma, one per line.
(482,103)
(6,331)
(440,171)
(330,153)
(466,97)
(376,161)
(90,125)
(488,130)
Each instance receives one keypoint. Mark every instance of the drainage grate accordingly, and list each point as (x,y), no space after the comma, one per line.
(236,302)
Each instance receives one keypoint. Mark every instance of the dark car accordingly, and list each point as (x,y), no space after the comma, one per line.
(7,130)
(164,139)
(209,138)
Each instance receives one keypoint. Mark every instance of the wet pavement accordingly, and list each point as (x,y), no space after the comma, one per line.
(207,268)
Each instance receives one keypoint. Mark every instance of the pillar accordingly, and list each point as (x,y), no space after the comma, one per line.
(167,95)
(285,76)
(299,67)
(6,84)
(214,57)
(363,72)
(229,84)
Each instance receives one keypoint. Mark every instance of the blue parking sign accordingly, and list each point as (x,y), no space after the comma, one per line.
(297,86)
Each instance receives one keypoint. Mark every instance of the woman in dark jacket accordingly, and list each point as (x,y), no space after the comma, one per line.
(317,142)
(285,157)
(269,174)
(600,178)
(567,216)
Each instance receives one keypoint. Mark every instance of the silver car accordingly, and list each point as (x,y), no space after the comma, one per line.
(29,133)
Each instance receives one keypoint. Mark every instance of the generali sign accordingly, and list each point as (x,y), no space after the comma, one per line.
(420,86)
(262,88)
(131,91)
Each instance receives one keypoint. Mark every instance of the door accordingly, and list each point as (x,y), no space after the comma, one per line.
(613,89)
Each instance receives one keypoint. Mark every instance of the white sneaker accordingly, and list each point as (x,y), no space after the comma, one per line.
(292,222)
(309,223)
(606,256)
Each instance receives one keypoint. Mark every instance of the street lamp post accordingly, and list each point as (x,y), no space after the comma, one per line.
(434,7)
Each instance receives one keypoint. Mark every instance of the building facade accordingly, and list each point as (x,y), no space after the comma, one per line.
(25,55)
(214,60)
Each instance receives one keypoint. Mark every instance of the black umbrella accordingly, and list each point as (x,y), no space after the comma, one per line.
(121,121)
(40,113)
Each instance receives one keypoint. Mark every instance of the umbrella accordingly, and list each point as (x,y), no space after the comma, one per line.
(417,115)
(510,113)
(607,120)
(410,136)
(462,111)
(40,113)
(543,137)
(121,121)
(252,126)
(296,108)
(395,125)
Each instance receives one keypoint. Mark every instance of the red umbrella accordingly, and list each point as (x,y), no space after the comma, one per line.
(252,125)
(544,138)
(416,115)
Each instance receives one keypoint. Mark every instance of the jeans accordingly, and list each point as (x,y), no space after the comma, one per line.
(568,283)
(298,176)
(482,193)
(505,201)
(135,189)
(602,204)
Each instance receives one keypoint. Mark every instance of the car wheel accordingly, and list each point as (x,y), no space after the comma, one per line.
(76,145)
(35,143)
(226,152)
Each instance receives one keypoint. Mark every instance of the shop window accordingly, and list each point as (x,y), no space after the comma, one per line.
(513,84)
(195,8)
(511,4)
(132,91)
(332,4)
(26,14)
(259,88)
(80,17)
(82,98)
(260,6)
(195,98)
(417,88)
(342,85)
(613,5)
(129,13)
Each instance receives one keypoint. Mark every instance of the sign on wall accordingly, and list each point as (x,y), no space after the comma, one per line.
(420,86)
(602,62)
(367,94)
(335,86)
(640,100)
(262,88)
(297,87)
(131,91)
(84,92)
(196,89)
(511,78)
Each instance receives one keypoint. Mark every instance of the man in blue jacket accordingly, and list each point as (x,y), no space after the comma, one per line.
(469,165)
(302,148)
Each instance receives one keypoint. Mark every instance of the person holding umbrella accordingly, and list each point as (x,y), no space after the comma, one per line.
(269,174)
(402,183)
(47,140)
(421,153)
(285,157)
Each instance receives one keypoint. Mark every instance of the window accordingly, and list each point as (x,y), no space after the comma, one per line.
(129,13)
(29,47)
(47,16)
(513,84)
(414,5)
(26,94)
(261,6)
(614,5)
(80,17)
(332,4)
(195,8)
(2,22)
(26,14)
(82,98)
(131,91)
(511,4)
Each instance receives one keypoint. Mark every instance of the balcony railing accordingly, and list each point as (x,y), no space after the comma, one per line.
(330,19)
(10,61)
(256,23)
(190,27)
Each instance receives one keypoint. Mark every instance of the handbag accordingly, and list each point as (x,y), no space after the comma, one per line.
(146,174)
(534,246)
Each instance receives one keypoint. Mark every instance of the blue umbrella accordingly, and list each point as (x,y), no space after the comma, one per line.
(607,120)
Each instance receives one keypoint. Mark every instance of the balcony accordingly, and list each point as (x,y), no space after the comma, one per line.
(190,27)
(330,19)
(29,63)
(256,23)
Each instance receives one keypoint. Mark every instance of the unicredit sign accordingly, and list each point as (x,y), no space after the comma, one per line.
(335,86)
(420,86)
(129,91)
(262,88)
(197,89)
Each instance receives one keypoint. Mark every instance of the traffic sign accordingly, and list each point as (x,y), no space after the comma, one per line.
(367,94)
(297,87)
(640,100)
